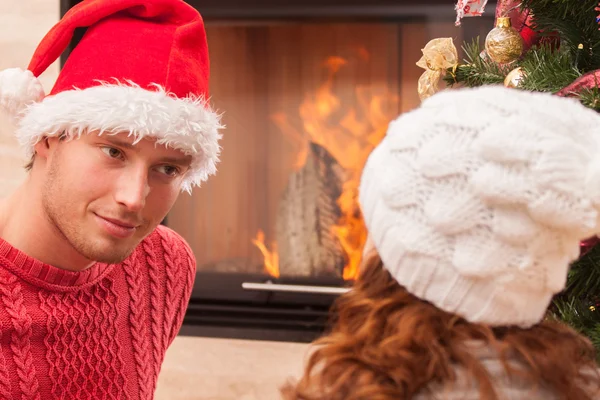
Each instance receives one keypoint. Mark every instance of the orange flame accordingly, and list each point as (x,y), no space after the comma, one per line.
(271,257)
(349,136)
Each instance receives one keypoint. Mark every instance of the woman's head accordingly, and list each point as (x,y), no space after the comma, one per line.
(477,201)
(387,344)
(475,205)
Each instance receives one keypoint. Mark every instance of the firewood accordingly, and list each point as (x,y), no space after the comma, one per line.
(306,214)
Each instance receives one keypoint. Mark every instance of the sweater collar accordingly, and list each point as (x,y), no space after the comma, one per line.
(47,276)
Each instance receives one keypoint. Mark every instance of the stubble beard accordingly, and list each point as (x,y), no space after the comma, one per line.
(66,226)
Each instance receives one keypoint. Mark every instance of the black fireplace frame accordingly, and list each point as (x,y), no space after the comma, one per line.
(312,10)
(256,306)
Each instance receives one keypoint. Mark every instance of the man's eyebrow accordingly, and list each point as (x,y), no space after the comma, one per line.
(118,142)
(184,161)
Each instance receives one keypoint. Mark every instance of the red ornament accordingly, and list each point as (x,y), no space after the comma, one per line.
(587,245)
(598,17)
(522,21)
(587,81)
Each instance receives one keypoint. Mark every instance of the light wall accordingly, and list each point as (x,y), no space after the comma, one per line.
(23,23)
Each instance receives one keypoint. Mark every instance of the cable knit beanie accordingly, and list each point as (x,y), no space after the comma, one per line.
(477,201)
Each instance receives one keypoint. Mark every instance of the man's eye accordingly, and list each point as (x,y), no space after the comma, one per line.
(112,152)
(168,170)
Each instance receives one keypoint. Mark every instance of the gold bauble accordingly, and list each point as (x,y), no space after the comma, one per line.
(514,78)
(504,44)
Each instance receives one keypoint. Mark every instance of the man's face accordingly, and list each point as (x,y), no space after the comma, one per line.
(104,194)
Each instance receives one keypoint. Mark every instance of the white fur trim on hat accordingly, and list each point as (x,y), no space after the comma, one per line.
(187,124)
(18,88)
(477,201)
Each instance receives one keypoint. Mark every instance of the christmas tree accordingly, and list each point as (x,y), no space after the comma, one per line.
(537,45)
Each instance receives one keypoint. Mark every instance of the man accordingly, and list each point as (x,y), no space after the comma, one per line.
(92,289)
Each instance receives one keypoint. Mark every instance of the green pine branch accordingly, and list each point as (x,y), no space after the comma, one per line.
(567,310)
(591,98)
(584,275)
(594,335)
(575,23)
(579,304)
(579,314)
(547,70)
(476,70)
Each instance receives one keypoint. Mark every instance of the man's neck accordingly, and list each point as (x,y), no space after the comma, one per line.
(24,225)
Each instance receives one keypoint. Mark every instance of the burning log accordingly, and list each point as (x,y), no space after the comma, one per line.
(307,212)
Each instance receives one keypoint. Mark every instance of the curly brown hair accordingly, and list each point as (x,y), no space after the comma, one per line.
(387,344)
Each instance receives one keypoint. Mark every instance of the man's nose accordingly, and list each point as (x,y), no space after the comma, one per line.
(132,189)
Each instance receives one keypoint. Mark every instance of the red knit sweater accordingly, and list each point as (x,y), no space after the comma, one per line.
(97,334)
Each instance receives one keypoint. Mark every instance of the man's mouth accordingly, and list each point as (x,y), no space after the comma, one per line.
(117,227)
(124,224)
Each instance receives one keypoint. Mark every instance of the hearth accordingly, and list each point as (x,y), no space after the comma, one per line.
(307,89)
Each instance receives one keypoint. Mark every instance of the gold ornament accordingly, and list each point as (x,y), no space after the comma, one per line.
(504,44)
(514,78)
(438,55)
(592,308)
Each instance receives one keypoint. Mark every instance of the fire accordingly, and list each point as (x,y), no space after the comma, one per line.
(349,135)
(271,257)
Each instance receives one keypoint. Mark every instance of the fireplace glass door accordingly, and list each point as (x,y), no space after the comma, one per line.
(303,104)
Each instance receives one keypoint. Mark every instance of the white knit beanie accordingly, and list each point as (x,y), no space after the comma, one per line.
(477,201)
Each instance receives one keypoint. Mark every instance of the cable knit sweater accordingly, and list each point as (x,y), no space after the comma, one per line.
(97,334)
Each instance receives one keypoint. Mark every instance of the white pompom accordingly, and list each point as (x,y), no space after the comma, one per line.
(19,88)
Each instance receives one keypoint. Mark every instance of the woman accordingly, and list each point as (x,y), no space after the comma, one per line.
(475,205)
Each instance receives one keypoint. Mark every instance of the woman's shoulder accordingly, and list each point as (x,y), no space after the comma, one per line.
(513,386)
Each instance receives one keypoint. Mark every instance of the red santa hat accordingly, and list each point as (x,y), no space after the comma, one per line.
(142,67)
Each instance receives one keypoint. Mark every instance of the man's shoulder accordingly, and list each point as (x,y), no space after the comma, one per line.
(172,246)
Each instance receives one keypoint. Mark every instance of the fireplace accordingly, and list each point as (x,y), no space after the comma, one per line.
(307,89)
